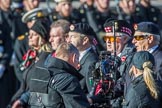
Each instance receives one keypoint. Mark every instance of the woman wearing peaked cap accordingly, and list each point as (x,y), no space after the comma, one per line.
(144,91)
(39,48)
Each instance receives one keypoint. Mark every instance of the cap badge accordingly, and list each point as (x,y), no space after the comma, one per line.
(116,26)
(72,27)
(39,14)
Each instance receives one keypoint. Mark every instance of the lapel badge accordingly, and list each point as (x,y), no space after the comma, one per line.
(116,26)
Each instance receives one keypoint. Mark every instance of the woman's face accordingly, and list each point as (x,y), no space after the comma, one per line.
(34,39)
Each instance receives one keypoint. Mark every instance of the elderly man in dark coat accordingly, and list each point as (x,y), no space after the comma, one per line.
(147,38)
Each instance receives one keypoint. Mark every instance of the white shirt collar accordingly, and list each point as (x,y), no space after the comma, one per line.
(119,55)
(83,53)
(151,50)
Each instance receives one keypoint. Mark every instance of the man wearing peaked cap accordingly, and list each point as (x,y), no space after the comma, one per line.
(123,34)
(147,38)
(81,36)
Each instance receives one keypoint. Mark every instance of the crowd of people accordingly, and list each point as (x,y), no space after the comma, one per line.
(92,56)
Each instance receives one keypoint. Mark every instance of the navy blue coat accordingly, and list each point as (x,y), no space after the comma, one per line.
(138,95)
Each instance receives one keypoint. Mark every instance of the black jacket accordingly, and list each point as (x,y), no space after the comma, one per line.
(64,84)
(158,63)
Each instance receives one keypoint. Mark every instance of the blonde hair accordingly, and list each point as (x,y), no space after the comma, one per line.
(44,46)
(149,80)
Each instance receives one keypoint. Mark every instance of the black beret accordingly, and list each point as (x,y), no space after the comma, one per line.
(42,28)
(35,14)
(82,28)
(142,56)
(148,27)
(120,26)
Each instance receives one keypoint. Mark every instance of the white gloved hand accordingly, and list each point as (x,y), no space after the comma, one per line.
(2,69)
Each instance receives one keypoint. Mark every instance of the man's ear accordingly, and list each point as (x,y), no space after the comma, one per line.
(57,8)
(125,39)
(73,57)
(150,38)
(85,40)
(135,72)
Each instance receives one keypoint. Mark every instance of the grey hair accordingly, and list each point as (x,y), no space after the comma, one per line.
(156,38)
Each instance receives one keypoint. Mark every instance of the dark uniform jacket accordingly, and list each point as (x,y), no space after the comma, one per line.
(73,18)
(7,80)
(25,84)
(158,63)
(20,48)
(133,18)
(64,85)
(5,37)
(21,28)
(138,96)
(123,83)
(151,14)
(87,65)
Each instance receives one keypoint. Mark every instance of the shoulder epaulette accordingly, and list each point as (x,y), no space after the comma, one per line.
(21,37)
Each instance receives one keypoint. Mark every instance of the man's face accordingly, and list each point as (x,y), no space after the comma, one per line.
(120,42)
(128,6)
(103,3)
(140,41)
(31,4)
(5,4)
(64,9)
(76,39)
(56,37)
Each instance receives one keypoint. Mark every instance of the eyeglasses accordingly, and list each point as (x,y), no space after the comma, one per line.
(111,38)
(140,37)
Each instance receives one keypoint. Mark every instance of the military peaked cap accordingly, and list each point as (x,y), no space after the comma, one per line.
(34,14)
